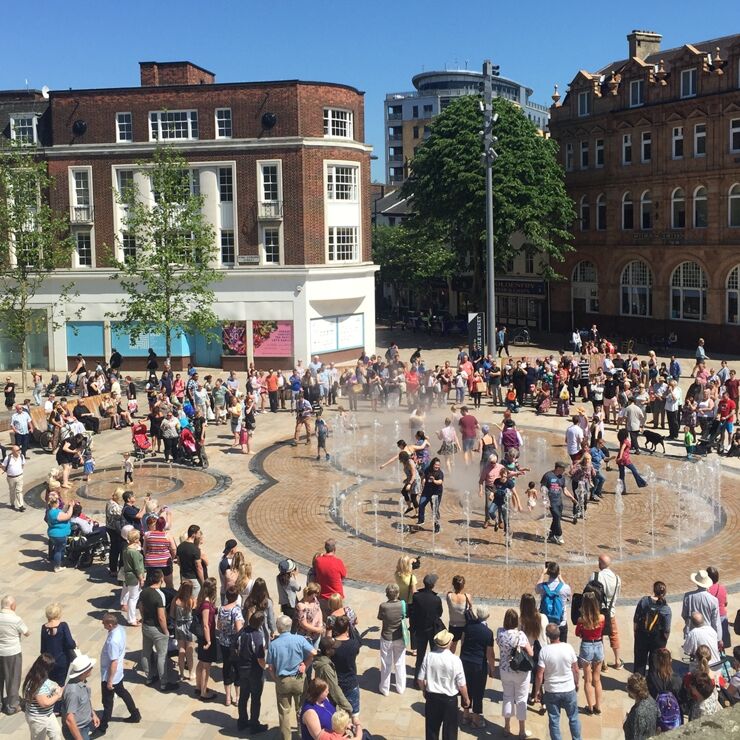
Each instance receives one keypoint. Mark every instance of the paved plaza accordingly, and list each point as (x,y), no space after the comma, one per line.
(282,502)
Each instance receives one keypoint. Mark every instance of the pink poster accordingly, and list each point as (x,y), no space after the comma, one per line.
(272,338)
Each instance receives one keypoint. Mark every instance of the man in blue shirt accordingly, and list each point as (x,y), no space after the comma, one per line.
(22,426)
(674,369)
(111,672)
(287,659)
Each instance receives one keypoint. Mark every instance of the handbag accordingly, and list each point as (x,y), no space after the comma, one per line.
(468,613)
(404,626)
(520,661)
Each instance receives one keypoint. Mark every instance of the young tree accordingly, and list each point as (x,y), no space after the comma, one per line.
(447,188)
(167,269)
(34,241)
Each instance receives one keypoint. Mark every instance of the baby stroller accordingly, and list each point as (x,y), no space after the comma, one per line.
(142,443)
(189,452)
(82,549)
(711,439)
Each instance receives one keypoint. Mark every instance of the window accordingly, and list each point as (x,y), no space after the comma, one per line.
(23,128)
(688,83)
(81,196)
(343,243)
(646,152)
(569,157)
(700,140)
(176,124)
(128,247)
(584,155)
(677,142)
(124,127)
(223,123)
(338,123)
(270,183)
(700,208)
(428,108)
(628,211)
(228,251)
(427,132)
(646,211)
(226,184)
(733,296)
(271,245)
(626,148)
(416,132)
(601,212)
(637,93)
(529,262)
(126,185)
(678,209)
(415,111)
(83,245)
(341,182)
(735,135)
(733,206)
(585,214)
(599,148)
(637,289)
(688,292)
(584,103)
(585,289)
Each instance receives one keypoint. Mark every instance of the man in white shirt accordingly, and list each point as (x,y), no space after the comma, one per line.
(673,400)
(574,435)
(49,404)
(22,426)
(612,585)
(441,679)
(12,627)
(12,466)
(556,683)
(701,634)
(111,672)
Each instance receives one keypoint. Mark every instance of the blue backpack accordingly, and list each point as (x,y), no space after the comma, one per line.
(552,605)
(669,711)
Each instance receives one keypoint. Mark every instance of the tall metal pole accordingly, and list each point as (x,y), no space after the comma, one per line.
(489,155)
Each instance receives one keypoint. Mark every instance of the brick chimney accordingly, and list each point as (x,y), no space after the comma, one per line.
(159,74)
(643,43)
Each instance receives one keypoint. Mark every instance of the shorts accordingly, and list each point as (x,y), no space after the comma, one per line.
(166,570)
(610,403)
(728,426)
(457,632)
(468,443)
(614,642)
(590,653)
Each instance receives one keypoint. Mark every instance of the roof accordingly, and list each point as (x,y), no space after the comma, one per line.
(179,64)
(666,55)
(392,205)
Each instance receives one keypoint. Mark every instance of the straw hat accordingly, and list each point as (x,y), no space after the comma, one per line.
(701,578)
(81,664)
(443,639)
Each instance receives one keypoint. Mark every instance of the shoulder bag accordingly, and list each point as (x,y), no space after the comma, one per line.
(520,661)
(404,626)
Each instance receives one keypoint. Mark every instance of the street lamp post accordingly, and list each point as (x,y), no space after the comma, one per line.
(489,155)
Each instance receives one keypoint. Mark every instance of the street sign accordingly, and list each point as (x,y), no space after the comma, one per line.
(476,331)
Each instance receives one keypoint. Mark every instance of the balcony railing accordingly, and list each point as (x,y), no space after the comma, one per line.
(395,116)
(81,214)
(270,210)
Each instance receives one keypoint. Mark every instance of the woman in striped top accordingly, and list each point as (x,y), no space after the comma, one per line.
(41,694)
(159,549)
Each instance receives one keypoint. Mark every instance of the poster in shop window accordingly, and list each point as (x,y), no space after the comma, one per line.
(272,338)
(234,339)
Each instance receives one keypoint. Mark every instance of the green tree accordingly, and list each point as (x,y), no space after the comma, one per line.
(34,241)
(447,188)
(169,250)
(409,257)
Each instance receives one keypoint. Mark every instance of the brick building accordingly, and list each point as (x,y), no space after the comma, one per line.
(651,149)
(285,177)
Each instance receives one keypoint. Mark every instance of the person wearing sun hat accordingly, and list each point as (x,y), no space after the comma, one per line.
(701,601)
(442,679)
(79,717)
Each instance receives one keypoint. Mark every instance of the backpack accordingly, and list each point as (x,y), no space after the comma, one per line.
(552,605)
(196,624)
(594,586)
(669,711)
(652,622)
(244,647)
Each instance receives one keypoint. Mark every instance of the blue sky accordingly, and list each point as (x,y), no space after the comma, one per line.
(375,46)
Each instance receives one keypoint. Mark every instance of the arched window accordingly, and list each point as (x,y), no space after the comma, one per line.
(628,211)
(585,213)
(733,207)
(601,212)
(700,208)
(637,289)
(688,292)
(646,210)
(678,209)
(733,296)
(585,288)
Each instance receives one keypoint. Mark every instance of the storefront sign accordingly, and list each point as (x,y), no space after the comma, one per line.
(272,338)
(476,331)
(520,287)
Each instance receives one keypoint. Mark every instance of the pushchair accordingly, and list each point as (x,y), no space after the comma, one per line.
(189,452)
(142,443)
(711,439)
(82,549)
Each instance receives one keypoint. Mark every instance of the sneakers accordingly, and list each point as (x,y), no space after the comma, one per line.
(559,541)
(328,456)
(552,540)
(134,718)
(575,520)
(436,529)
(257,727)
(57,568)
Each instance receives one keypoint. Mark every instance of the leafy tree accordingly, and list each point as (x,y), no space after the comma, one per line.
(34,241)
(169,250)
(447,188)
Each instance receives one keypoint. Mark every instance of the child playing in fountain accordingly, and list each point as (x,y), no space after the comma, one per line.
(322,432)
(128,468)
(510,401)
(88,462)
(689,441)
(531,496)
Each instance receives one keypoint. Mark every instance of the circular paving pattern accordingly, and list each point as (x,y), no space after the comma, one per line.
(678,524)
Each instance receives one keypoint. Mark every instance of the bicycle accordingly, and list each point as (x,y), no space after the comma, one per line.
(521,338)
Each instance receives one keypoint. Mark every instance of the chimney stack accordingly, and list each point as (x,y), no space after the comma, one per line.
(643,43)
(159,74)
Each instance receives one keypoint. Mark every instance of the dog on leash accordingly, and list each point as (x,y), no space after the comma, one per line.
(652,440)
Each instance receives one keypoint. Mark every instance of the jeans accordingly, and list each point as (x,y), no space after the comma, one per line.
(273,396)
(57,549)
(114,554)
(22,441)
(423,502)
(118,690)
(641,482)
(673,423)
(170,448)
(599,481)
(251,684)
(556,510)
(569,702)
(289,689)
(392,658)
(353,697)
(634,441)
(37,396)
(476,675)
(153,638)
(440,712)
